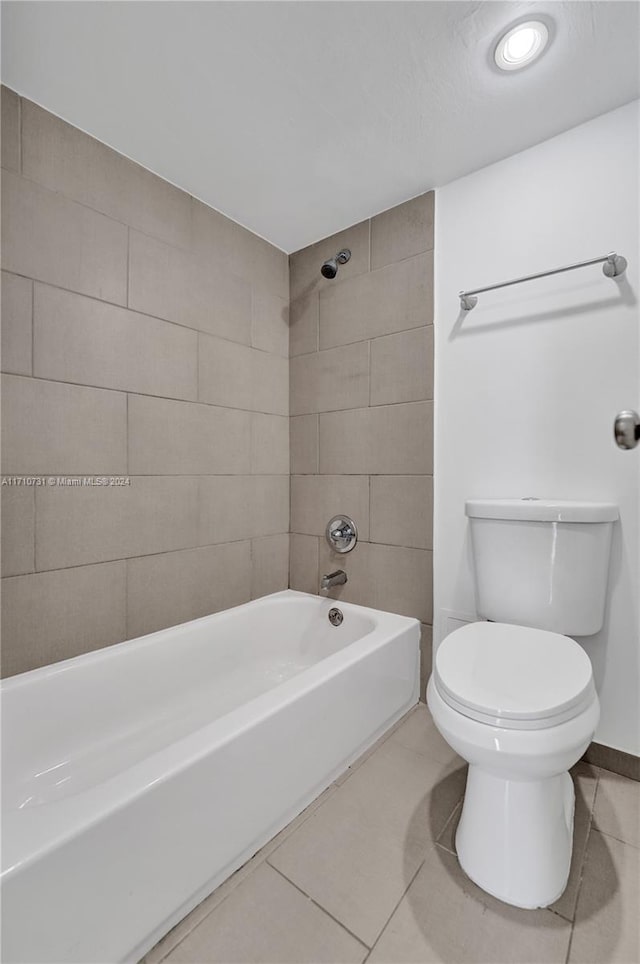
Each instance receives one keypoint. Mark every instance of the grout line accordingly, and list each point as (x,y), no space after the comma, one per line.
(128,264)
(358,341)
(33,330)
(357,475)
(145,555)
(404,894)
(370,542)
(35,528)
(319,906)
(446,824)
(605,833)
(165,398)
(582,864)
(126,431)
(198,366)
(146,314)
(20,134)
(189,247)
(126,598)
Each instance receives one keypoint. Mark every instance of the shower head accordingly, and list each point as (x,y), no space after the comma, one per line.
(330,268)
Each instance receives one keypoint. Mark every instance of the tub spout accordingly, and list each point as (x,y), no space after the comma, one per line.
(337,578)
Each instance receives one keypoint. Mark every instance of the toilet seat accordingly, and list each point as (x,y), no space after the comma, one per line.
(513,676)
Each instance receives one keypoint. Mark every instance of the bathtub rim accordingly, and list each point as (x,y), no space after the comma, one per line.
(69,817)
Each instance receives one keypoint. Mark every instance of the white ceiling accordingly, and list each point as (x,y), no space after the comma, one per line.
(298,119)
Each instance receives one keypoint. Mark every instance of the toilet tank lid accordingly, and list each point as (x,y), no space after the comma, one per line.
(541,510)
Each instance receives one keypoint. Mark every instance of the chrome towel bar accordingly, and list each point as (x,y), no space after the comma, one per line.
(614,266)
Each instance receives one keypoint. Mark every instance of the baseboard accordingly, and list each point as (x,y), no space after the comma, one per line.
(618,761)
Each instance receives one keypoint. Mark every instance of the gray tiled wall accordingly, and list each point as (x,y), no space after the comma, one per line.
(361,402)
(143,335)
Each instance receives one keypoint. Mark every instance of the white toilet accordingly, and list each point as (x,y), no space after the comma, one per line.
(515,697)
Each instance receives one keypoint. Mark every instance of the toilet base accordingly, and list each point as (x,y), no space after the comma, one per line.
(515,837)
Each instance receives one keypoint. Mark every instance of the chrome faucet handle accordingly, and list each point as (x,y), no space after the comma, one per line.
(341,533)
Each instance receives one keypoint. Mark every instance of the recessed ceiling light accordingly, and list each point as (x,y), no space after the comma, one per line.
(520,45)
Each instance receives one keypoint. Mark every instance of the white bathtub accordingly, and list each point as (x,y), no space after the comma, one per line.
(138,777)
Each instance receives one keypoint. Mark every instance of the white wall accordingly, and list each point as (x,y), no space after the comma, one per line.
(528,383)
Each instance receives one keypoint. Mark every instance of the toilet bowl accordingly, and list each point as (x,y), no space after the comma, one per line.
(520,732)
(514,695)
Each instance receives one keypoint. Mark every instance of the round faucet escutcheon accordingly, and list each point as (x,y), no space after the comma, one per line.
(341,533)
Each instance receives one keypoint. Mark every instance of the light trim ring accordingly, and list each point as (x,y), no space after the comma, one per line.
(521,45)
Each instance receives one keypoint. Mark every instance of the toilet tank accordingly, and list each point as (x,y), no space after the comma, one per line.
(541,562)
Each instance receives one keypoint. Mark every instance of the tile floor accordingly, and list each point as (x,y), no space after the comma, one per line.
(369,873)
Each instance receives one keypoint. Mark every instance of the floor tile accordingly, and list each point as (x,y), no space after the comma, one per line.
(585,779)
(617,809)
(358,853)
(187,924)
(607,921)
(264,920)
(419,733)
(444,917)
(447,836)
(372,749)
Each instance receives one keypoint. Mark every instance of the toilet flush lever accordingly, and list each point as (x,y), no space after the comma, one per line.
(626,429)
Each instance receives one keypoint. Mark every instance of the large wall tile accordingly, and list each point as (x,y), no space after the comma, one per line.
(304,313)
(56,429)
(269,565)
(402,510)
(80,525)
(303,563)
(390,439)
(185,438)
(181,286)
(67,160)
(226,511)
(270,383)
(225,373)
(239,507)
(240,377)
(402,579)
(224,242)
(392,578)
(10,136)
(81,340)
(402,367)
(317,498)
(51,238)
(175,587)
(270,323)
(115,283)
(18,529)
(390,299)
(304,444)
(403,231)
(329,380)
(371,438)
(269,444)
(50,616)
(17,310)
(218,239)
